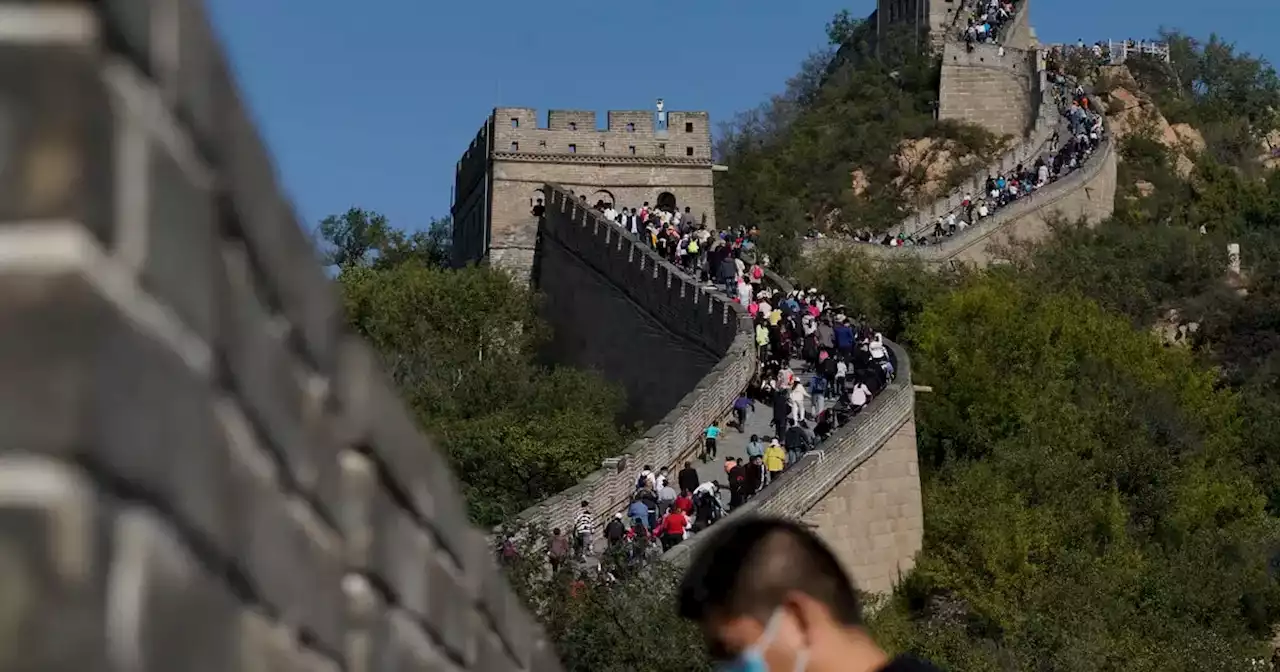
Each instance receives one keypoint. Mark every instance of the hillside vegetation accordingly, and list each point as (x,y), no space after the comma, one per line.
(1096,497)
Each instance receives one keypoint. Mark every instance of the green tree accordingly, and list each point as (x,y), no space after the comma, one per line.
(353,237)
(624,625)
(461,345)
(1081,478)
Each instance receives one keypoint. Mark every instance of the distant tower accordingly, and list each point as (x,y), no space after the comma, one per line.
(662,117)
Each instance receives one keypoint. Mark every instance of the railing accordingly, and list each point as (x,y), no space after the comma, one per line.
(1119,51)
(1116,52)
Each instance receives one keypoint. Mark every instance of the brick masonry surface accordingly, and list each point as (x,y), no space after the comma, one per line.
(199,470)
(861,490)
(576,241)
(988,88)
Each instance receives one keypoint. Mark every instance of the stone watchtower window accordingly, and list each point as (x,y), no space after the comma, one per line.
(573,149)
(688,127)
(515,146)
(573,125)
(631,128)
(688,151)
(515,123)
(662,148)
(632,149)
(602,146)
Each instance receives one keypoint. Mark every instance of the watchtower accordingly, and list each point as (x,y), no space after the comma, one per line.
(628,163)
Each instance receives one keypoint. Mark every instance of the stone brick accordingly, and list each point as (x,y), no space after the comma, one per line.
(49,327)
(262,368)
(165,612)
(451,609)
(259,212)
(52,569)
(151,423)
(57,125)
(290,556)
(181,243)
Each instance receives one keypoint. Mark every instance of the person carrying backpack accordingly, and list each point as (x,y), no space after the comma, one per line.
(818,393)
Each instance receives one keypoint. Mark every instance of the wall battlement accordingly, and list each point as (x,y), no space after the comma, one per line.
(632,133)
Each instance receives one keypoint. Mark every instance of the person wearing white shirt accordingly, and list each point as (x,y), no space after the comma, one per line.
(876,347)
(610,213)
(799,397)
(860,395)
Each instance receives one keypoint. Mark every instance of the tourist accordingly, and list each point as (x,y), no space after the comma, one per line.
(687,479)
(767,594)
(584,528)
(775,459)
(671,530)
(709,442)
(557,549)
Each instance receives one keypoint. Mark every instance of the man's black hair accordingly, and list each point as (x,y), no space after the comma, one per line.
(750,565)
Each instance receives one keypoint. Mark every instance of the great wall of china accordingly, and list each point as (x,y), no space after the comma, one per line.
(204,472)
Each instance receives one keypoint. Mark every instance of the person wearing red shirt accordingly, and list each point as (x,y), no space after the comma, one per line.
(672,528)
(684,502)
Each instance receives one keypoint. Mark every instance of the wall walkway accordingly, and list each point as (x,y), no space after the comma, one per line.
(860,490)
(574,241)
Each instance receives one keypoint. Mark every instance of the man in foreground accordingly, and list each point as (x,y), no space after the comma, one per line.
(770,595)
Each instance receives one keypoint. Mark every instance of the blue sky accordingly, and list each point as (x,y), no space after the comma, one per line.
(371,107)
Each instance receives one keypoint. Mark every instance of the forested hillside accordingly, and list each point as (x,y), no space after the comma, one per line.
(1098,496)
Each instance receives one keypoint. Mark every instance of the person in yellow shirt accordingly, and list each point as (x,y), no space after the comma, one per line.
(762,341)
(775,459)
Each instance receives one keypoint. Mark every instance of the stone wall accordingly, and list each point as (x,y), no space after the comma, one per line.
(576,246)
(989,88)
(199,470)
(861,489)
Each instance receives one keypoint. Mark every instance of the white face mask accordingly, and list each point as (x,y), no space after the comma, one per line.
(752,660)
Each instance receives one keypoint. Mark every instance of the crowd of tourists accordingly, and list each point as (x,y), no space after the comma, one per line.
(842,365)
(987,20)
(846,364)
(1072,144)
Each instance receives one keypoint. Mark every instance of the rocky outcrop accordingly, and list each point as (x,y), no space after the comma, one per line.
(925,167)
(1132,112)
